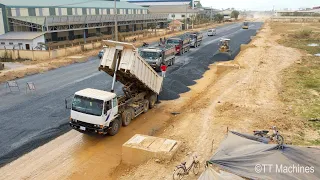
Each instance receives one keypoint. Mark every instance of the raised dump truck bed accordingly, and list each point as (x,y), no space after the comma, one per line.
(132,68)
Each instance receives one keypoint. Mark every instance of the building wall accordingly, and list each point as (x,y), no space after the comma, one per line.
(52,11)
(180,16)
(21,44)
(2,29)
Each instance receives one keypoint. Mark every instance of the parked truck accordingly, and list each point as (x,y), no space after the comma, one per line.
(196,39)
(105,112)
(181,43)
(159,54)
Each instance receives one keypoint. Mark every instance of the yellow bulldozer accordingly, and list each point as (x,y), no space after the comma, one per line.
(224,48)
(245,25)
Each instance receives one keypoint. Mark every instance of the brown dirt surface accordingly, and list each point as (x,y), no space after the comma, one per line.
(243,100)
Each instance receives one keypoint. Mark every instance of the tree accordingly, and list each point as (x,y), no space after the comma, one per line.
(235,14)
(218,18)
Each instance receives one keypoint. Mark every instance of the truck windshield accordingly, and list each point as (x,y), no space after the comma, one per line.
(149,55)
(173,41)
(193,36)
(87,105)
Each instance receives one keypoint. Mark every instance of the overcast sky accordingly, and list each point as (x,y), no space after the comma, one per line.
(260,4)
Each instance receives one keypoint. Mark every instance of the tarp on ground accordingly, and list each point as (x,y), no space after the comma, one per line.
(245,155)
(211,174)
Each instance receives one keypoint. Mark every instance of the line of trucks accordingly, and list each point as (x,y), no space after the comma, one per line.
(166,53)
(104,112)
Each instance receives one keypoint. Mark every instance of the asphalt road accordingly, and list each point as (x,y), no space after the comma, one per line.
(29,120)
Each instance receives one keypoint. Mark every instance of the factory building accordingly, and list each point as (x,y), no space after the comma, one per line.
(61,20)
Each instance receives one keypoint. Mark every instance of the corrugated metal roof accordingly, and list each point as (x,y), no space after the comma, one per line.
(20,35)
(69,3)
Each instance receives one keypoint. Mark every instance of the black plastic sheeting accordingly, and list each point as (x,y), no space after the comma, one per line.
(246,156)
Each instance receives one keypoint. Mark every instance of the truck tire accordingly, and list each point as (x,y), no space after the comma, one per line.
(173,60)
(114,127)
(126,117)
(145,106)
(152,101)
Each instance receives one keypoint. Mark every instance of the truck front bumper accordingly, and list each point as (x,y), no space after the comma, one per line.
(155,67)
(87,127)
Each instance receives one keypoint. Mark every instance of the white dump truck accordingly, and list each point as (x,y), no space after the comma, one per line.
(157,55)
(104,112)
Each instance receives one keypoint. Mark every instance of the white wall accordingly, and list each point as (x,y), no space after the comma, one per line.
(24,12)
(77,11)
(179,15)
(32,43)
(46,11)
(2,30)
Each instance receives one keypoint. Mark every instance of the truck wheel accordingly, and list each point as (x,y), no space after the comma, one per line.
(152,101)
(114,128)
(126,117)
(145,106)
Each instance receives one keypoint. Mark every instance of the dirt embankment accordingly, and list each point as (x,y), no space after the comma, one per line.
(242,99)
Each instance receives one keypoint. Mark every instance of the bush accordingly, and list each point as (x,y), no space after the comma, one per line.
(303,34)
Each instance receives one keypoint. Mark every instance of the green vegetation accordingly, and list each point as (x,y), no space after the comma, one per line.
(218,18)
(301,82)
(235,14)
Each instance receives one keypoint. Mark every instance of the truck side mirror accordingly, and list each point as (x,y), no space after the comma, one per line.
(67,102)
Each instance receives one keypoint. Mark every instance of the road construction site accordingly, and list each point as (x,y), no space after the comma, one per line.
(199,103)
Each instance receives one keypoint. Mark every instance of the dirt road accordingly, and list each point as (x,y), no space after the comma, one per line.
(238,99)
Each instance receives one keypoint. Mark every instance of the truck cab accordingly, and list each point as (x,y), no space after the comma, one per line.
(196,39)
(94,110)
(182,43)
(154,57)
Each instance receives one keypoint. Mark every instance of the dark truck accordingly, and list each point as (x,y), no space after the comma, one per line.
(196,39)
(154,56)
(181,43)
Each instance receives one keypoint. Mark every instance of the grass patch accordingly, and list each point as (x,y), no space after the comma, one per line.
(301,81)
(302,34)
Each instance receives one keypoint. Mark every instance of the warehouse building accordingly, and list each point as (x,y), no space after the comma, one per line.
(147,3)
(72,19)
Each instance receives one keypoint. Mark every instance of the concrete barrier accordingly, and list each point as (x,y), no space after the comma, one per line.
(141,148)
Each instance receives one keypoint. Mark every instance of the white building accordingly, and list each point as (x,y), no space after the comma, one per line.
(22,40)
(175,12)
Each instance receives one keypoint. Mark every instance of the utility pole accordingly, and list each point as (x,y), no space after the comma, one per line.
(211,14)
(185,26)
(115,21)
